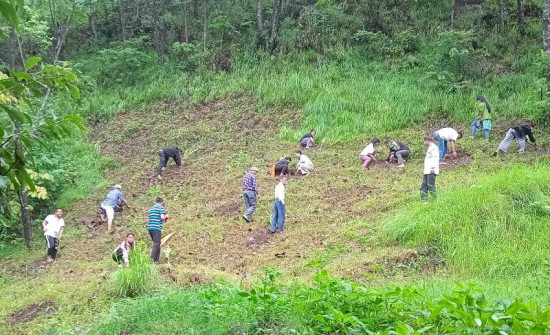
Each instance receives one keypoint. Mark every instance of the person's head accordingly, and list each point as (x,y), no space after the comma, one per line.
(284,180)
(59,213)
(130,238)
(531,124)
(459,134)
(254,170)
(118,187)
(482,99)
(298,153)
(159,201)
(375,141)
(288,158)
(313,132)
(428,140)
(387,143)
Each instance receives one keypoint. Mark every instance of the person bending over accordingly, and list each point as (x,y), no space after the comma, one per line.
(368,154)
(306,141)
(114,198)
(122,251)
(164,155)
(444,135)
(281,167)
(398,150)
(305,165)
(520,133)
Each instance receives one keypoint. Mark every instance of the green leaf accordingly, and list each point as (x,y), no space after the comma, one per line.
(9,13)
(21,75)
(32,62)
(16,115)
(75,92)
(4,181)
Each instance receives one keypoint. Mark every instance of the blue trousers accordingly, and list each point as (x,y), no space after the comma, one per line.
(477,124)
(442,144)
(278,216)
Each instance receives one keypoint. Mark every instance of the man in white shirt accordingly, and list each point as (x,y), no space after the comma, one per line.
(53,227)
(431,170)
(444,135)
(279,208)
(305,165)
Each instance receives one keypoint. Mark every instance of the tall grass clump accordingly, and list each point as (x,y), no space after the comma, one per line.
(136,279)
(495,228)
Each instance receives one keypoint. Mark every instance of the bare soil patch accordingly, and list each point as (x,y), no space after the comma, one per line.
(258,238)
(31,312)
(230,209)
(462,159)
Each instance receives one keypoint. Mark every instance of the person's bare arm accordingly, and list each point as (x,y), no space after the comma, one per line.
(453,147)
(61,230)
(44,223)
(164,217)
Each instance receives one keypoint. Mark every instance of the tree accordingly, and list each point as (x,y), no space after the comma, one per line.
(546,35)
(521,20)
(275,24)
(20,94)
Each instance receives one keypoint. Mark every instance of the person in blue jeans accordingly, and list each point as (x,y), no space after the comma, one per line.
(442,136)
(279,208)
(483,119)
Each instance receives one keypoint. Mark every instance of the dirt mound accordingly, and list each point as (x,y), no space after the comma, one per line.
(258,238)
(31,312)
(462,159)
(230,209)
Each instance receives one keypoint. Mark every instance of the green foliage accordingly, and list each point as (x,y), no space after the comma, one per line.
(497,225)
(137,278)
(330,306)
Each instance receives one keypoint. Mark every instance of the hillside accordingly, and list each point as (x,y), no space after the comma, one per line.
(336,216)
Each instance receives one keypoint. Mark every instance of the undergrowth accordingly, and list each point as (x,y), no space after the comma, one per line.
(137,278)
(495,228)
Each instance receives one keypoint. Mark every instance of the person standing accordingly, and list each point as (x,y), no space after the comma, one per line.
(305,165)
(444,135)
(157,217)
(483,119)
(398,150)
(368,154)
(520,133)
(164,155)
(113,198)
(279,207)
(53,227)
(306,141)
(431,170)
(122,251)
(251,192)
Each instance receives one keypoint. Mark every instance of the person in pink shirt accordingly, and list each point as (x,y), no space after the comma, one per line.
(122,251)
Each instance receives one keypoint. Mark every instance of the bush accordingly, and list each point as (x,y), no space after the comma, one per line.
(135,280)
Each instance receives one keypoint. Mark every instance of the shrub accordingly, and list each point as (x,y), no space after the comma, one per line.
(134,280)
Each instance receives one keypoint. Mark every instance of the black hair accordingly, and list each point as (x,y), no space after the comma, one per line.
(375,141)
(459,133)
(288,158)
(428,138)
(312,130)
(130,234)
(298,152)
(481,98)
(159,200)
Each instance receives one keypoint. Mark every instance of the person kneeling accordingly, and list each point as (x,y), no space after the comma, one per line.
(305,165)
(398,150)
(367,155)
(122,251)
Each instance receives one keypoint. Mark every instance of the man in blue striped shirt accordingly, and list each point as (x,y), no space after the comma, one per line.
(157,217)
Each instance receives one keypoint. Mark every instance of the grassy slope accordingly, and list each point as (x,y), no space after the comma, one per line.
(333,215)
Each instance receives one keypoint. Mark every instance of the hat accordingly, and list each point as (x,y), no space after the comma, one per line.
(254,169)
(118,186)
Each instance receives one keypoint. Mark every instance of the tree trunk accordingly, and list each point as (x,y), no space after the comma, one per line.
(23,199)
(12,49)
(546,36)
(92,18)
(275,24)
(260,43)
(185,20)
(453,14)
(521,20)
(502,15)
(123,19)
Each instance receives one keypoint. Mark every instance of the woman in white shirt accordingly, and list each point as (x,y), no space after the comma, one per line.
(305,165)
(367,155)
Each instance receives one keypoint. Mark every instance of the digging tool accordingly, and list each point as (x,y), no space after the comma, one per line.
(166,238)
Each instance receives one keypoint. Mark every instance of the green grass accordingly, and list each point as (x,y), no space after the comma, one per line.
(494,228)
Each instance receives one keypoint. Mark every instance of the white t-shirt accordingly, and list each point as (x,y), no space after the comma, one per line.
(306,162)
(448,134)
(53,225)
(369,150)
(432,159)
(280,192)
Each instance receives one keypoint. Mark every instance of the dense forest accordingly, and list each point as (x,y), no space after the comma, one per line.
(90,89)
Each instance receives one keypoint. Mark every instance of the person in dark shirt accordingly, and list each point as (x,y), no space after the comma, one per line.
(164,155)
(398,150)
(519,133)
(281,167)
(307,140)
